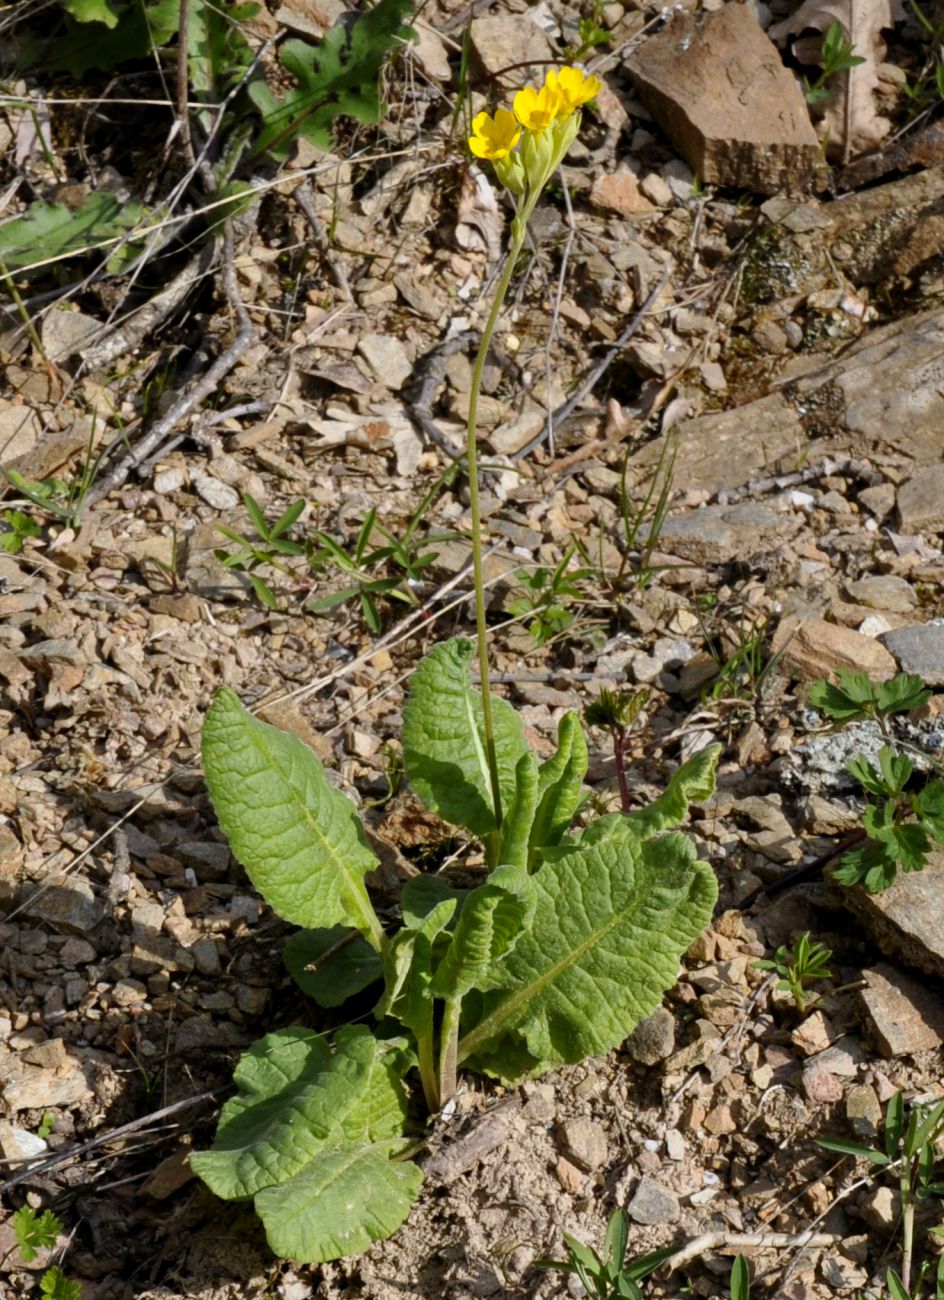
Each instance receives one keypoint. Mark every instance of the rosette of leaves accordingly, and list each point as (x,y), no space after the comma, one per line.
(571,939)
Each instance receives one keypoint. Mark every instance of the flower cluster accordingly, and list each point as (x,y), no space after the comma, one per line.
(544,123)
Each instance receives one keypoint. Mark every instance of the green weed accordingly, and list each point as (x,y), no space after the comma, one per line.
(799,966)
(837,56)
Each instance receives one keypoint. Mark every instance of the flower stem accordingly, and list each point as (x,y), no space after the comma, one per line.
(519,229)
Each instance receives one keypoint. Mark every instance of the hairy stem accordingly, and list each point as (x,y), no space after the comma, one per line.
(449,1050)
(427,1064)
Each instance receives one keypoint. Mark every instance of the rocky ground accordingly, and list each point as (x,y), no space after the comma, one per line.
(765,343)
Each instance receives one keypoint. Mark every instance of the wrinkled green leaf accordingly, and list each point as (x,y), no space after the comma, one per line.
(141,29)
(408,971)
(901,694)
(345,964)
(610,925)
(519,816)
(492,919)
(444,743)
(311,1136)
(299,839)
(560,785)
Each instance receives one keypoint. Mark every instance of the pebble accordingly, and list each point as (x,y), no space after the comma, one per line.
(206,956)
(657,190)
(584,1142)
(653,1039)
(905,1016)
(883,591)
(863,1110)
(169,480)
(68,902)
(387,358)
(620,192)
(128,992)
(881,1209)
(653,1204)
(921,501)
(216,494)
(819,1085)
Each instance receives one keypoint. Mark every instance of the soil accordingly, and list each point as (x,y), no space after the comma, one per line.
(802,527)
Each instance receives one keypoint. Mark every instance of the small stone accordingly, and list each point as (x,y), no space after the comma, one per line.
(206,956)
(653,1204)
(819,1085)
(20,430)
(210,861)
(863,1110)
(503,41)
(814,1035)
(680,178)
(387,358)
(905,1016)
(720,1120)
(906,921)
(169,480)
(584,1142)
(251,1001)
(921,501)
(656,189)
(675,1145)
(126,993)
(919,649)
(813,648)
(572,1179)
(720,534)
(883,591)
(653,1039)
(69,903)
(620,192)
(881,1209)
(171,1174)
(216,494)
(879,500)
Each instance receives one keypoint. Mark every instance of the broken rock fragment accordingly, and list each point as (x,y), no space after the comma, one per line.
(718,88)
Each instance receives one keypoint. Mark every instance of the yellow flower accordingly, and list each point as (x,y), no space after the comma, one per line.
(572,88)
(536,109)
(494,137)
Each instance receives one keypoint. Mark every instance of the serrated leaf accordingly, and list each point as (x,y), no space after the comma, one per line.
(901,694)
(832,701)
(855,685)
(338,77)
(929,806)
(345,964)
(909,843)
(298,838)
(610,925)
(54,1285)
(444,740)
(141,29)
(896,768)
(560,785)
(867,776)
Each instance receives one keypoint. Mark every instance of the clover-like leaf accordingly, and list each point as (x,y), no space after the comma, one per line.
(298,838)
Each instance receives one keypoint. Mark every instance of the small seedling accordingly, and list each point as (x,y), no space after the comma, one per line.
(35,1232)
(910,1146)
(857,698)
(590,35)
(799,967)
(547,596)
(642,523)
(273,544)
(837,56)
(617,711)
(608,1276)
(900,826)
(20,526)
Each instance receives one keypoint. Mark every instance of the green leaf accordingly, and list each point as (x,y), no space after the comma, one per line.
(56,1286)
(610,925)
(855,685)
(560,785)
(519,816)
(53,231)
(35,1232)
(408,971)
(896,768)
(896,1288)
(311,1135)
(444,741)
(141,29)
(346,964)
(421,894)
(740,1279)
(867,776)
(901,694)
(91,11)
(338,77)
(298,838)
(693,782)
(492,919)
(853,1149)
(868,864)
(834,702)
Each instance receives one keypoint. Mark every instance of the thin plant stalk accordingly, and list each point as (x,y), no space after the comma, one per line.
(519,231)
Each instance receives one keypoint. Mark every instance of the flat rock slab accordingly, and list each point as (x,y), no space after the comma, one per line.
(907,921)
(718,88)
(904,1017)
(883,394)
(813,648)
(919,649)
(719,534)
